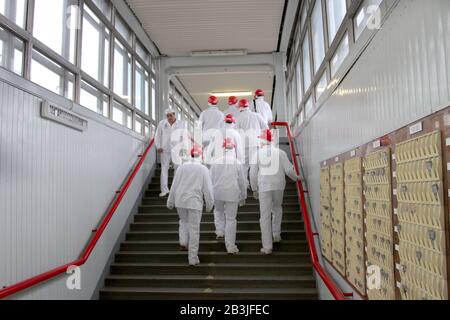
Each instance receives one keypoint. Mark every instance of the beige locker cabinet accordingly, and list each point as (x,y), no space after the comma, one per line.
(354,225)
(337,217)
(377,186)
(421,216)
(325,203)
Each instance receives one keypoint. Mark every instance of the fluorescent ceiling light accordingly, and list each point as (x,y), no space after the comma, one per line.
(209,53)
(229,94)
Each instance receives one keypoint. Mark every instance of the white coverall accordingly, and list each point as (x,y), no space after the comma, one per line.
(229,191)
(211,121)
(233,110)
(260,106)
(249,125)
(229,132)
(267,177)
(166,139)
(192,184)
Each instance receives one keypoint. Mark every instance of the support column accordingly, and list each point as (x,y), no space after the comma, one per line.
(163,88)
(279,101)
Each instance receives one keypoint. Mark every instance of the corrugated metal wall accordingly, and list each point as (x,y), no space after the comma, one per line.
(55,185)
(402,76)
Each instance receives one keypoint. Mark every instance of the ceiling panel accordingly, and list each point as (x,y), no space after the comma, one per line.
(200,86)
(179,27)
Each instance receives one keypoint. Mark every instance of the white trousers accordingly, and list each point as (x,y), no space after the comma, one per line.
(249,156)
(166,159)
(225,214)
(190,230)
(271,209)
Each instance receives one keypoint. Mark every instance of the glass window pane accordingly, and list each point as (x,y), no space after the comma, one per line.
(142,89)
(94,99)
(336,10)
(321,86)
(104,6)
(339,56)
(301,118)
(364,15)
(306,64)
(309,108)
(95,48)
(122,115)
(122,71)
(52,76)
(139,125)
(317,36)
(55,24)
(153,115)
(123,29)
(299,81)
(142,53)
(14,10)
(11,52)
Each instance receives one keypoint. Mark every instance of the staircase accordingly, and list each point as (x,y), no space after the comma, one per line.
(150,264)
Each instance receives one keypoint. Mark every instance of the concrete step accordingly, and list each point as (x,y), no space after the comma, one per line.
(136,293)
(210,235)
(247,208)
(209,226)
(213,246)
(209,217)
(155,184)
(213,282)
(212,257)
(212,269)
(154,191)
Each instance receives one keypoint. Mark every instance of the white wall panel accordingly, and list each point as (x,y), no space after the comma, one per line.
(55,185)
(403,75)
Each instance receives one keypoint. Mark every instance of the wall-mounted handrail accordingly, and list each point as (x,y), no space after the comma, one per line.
(10,290)
(332,287)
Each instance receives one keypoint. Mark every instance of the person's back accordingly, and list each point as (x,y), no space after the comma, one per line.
(248,120)
(263,108)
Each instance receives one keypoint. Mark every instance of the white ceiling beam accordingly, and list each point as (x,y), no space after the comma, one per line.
(289,23)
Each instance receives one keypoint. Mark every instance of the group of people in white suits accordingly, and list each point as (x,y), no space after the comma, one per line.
(241,154)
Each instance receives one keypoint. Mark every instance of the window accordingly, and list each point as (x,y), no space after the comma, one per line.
(306,64)
(309,108)
(95,48)
(123,29)
(317,36)
(321,86)
(299,81)
(122,71)
(55,24)
(11,52)
(104,6)
(336,10)
(93,99)
(139,124)
(142,53)
(52,76)
(339,56)
(301,118)
(142,89)
(14,10)
(153,115)
(122,115)
(368,10)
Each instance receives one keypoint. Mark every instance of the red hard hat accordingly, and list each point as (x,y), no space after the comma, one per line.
(196,151)
(266,135)
(259,93)
(230,119)
(232,101)
(243,103)
(213,100)
(228,143)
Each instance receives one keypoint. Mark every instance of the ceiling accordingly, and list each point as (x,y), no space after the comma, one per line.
(200,86)
(178,27)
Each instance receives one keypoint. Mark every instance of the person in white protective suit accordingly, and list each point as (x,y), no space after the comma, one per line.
(229,132)
(192,184)
(210,122)
(233,107)
(230,192)
(267,178)
(249,125)
(169,135)
(260,106)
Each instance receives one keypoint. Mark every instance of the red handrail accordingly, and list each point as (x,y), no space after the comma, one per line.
(332,287)
(10,290)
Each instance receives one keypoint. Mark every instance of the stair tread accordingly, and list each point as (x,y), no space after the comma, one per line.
(206,241)
(209,231)
(209,277)
(202,290)
(248,204)
(209,265)
(285,212)
(204,222)
(211,253)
